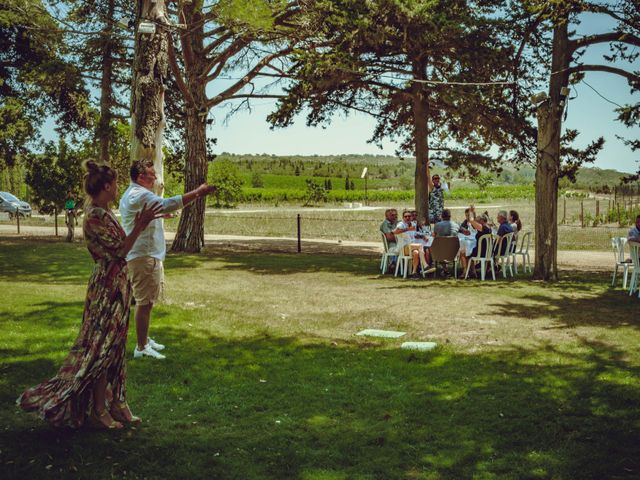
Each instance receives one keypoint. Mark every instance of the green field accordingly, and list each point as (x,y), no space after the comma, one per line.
(264,378)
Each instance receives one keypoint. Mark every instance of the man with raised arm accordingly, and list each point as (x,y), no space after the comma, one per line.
(146,257)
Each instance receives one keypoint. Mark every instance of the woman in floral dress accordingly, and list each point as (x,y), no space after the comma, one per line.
(91,382)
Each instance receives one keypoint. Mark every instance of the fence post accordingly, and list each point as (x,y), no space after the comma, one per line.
(564,210)
(582,213)
(597,208)
(55,219)
(299,241)
(18,219)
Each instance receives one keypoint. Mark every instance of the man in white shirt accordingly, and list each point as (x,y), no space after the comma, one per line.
(147,254)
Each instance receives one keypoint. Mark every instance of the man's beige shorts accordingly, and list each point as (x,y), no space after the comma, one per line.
(147,279)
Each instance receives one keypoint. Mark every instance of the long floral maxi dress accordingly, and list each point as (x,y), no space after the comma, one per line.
(67,398)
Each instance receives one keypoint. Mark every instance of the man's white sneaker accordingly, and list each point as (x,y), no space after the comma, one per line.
(155,345)
(147,352)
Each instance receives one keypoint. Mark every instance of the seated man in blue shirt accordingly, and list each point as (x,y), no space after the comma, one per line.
(504,228)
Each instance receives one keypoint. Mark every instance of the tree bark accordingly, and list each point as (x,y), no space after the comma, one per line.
(548,161)
(421,134)
(147,93)
(190,234)
(106,93)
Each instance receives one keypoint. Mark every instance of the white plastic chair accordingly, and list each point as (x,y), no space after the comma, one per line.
(524,253)
(484,243)
(618,243)
(634,284)
(402,261)
(386,254)
(504,259)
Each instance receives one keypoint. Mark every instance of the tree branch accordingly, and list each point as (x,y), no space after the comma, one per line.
(175,69)
(236,87)
(633,78)
(604,38)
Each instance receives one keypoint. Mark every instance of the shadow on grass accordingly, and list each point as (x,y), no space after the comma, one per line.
(44,260)
(275,408)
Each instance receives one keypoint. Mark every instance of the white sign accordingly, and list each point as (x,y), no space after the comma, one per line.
(364,172)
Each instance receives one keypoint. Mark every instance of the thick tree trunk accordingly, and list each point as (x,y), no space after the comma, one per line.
(147,92)
(421,134)
(190,234)
(548,161)
(547,171)
(106,93)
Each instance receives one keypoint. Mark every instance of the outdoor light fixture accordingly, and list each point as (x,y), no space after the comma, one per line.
(147,27)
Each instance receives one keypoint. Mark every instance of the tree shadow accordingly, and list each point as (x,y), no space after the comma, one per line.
(267,407)
(44,260)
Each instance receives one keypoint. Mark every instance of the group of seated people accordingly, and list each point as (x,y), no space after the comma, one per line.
(417,237)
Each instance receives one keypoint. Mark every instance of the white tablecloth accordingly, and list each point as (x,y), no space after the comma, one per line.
(467,243)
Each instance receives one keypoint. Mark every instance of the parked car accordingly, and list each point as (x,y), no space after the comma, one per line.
(10,203)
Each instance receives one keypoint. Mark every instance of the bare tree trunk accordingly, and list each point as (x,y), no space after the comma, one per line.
(147,93)
(421,134)
(106,94)
(548,161)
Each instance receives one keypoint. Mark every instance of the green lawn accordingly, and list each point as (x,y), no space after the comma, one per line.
(264,377)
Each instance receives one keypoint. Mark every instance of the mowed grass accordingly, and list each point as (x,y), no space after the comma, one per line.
(264,377)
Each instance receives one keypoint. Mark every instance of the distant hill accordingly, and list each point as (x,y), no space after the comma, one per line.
(389,166)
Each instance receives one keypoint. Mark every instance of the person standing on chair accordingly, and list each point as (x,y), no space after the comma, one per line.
(145,260)
(436,198)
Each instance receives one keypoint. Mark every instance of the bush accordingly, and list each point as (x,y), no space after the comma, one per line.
(224,176)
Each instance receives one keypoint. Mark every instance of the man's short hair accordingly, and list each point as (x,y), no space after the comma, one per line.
(446,214)
(404,212)
(503,214)
(390,210)
(637,218)
(138,167)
